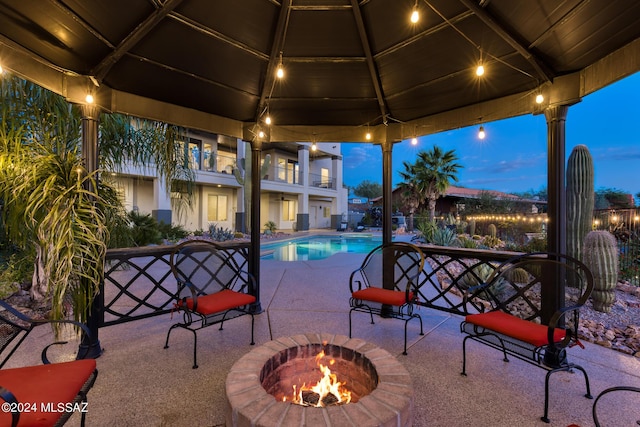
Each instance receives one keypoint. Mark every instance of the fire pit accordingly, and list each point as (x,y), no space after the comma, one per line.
(371,387)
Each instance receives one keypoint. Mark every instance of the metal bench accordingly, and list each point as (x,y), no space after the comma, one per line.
(513,323)
(396,265)
(212,288)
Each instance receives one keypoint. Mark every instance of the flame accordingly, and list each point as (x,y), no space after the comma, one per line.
(327,385)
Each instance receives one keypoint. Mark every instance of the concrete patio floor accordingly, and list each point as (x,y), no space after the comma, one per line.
(142,384)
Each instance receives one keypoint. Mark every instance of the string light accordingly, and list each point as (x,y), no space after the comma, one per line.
(415,15)
(280,69)
(481,133)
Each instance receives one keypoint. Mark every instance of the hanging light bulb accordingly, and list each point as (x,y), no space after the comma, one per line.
(539,98)
(481,133)
(368,136)
(280,69)
(267,119)
(261,134)
(1,69)
(314,147)
(89,98)
(480,70)
(414,141)
(415,15)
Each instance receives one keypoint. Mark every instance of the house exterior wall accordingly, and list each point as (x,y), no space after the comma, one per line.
(298,187)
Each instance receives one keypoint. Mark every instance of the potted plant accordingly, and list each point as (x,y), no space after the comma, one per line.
(269,227)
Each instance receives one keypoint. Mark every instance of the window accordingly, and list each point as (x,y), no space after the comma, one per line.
(217,208)
(288,210)
(208,157)
(287,171)
(191,153)
(324,178)
(282,169)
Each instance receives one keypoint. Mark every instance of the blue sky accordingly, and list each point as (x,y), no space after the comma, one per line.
(513,156)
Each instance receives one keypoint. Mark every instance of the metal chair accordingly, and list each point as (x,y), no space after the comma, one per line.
(42,395)
(212,288)
(630,410)
(386,284)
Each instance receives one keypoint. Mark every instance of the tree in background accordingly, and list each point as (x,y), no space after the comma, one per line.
(368,189)
(613,198)
(430,176)
(56,214)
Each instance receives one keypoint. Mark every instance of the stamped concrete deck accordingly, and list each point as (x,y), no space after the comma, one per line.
(142,384)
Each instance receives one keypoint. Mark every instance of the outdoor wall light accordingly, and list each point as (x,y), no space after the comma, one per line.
(481,133)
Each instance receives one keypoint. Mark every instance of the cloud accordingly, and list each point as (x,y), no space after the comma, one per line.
(616,154)
(359,156)
(506,166)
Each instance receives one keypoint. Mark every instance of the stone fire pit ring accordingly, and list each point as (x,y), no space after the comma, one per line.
(390,403)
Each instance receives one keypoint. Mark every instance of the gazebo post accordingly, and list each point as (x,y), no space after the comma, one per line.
(90,118)
(254,249)
(553,287)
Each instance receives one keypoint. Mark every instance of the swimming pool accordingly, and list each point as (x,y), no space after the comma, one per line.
(311,248)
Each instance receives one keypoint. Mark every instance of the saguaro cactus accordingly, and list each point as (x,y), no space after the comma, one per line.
(580,199)
(600,255)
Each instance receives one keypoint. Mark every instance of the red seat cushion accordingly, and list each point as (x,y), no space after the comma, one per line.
(49,384)
(220,301)
(514,327)
(383,296)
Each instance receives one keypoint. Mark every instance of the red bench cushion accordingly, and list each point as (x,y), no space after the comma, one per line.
(220,301)
(54,383)
(383,296)
(514,327)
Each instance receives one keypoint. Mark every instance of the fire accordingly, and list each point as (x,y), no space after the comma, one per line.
(327,391)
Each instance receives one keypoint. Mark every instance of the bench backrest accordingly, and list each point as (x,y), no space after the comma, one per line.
(401,263)
(515,286)
(207,268)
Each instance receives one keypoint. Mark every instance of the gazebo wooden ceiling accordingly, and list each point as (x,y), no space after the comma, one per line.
(349,64)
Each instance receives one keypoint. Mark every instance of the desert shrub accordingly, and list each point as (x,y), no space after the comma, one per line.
(445,237)
(144,229)
(220,234)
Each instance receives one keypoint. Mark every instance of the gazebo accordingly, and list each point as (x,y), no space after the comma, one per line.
(378,71)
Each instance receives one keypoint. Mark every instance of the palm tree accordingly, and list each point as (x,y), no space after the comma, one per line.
(51,208)
(430,176)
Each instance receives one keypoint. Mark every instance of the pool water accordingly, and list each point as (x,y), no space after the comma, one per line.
(319,247)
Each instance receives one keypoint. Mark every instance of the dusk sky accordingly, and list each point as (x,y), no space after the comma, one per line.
(513,156)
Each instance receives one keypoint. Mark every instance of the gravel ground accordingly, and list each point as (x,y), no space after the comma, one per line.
(620,328)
